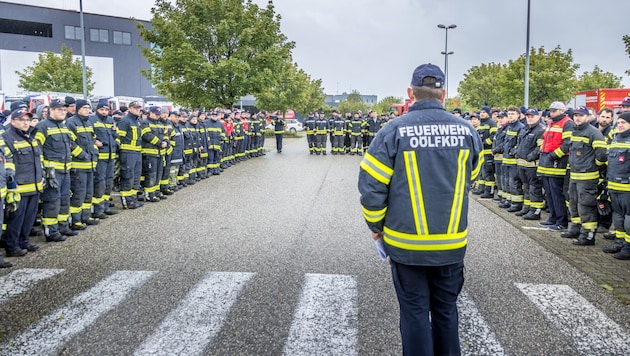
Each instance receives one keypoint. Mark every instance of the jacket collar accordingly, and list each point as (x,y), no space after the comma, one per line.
(426,104)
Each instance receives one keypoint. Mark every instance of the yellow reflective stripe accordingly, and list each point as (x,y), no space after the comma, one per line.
(511,133)
(486,151)
(493,130)
(579,139)
(559,152)
(374,215)
(29,188)
(458,194)
(149,151)
(376,169)
(429,242)
(475,172)
(584,176)
(415,192)
(86,129)
(39,136)
(551,171)
(599,144)
(617,144)
(566,134)
(591,225)
(555,129)
(509,161)
(523,163)
(107,155)
(86,206)
(49,221)
(82,165)
(56,165)
(76,151)
(24,144)
(130,147)
(622,187)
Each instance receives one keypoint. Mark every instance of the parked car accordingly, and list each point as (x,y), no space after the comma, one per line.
(292,125)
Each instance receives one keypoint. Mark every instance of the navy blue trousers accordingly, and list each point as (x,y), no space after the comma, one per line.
(428,311)
(554,195)
(20,223)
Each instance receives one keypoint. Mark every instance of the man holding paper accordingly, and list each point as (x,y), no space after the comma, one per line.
(414,182)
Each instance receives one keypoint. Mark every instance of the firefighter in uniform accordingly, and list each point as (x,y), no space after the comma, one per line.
(130,156)
(166,153)
(373,124)
(346,139)
(58,147)
(321,130)
(176,137)
(587,156)
(25,186)
(527,152)
(258,132)
(83,167)
(618,175)
(5,173)
(202,131)
(487,129)
(239,137)
(154,144)
(105,132)
(278,129)
(338,131)
(398,178)
(309,125)
(510,169)
(215,137)
(356,129)
(191,148)
(497,152)
(552,165)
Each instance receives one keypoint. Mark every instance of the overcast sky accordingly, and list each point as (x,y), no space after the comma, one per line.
(373,45)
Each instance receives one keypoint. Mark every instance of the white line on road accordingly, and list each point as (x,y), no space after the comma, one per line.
(475,336)
(188,329)
(52,332)
(535,228)
(592,332)
(325,322)
(21,280)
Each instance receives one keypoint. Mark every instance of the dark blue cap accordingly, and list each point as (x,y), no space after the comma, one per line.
(502,114)
(523,109)
(457,110)
(156,110)
(625,101)
(486,109)
(531,111)
(81,103)
(428,71)
(16,114)
(57,103)
(18,105)
(582,110)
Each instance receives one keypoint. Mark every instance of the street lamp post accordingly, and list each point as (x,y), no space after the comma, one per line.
(446,53)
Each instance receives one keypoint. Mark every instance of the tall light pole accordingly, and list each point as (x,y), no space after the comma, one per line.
(446,53)
(526,93)
(83,51)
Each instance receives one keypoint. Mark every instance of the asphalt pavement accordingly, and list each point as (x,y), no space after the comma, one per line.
(273,257)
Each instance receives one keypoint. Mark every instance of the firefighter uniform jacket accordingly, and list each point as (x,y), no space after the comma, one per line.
(191,139)
(372,126)
(528,147)
(356,126)
(84,137)
(618,172)
(587,152)
(129,133)
(509,142)
(555,147)
(309,125)
(487,129)
(25,153)
(202,131)
(58,146)
(105,131)
(177,144)
(7,168)
(339,127)
(497,143)
(216,131)
(152,134)
(168,134)
(414,182)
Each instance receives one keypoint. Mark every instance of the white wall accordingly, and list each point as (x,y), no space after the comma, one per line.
(11,61)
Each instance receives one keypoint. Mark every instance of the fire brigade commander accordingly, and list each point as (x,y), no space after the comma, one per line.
(419,208)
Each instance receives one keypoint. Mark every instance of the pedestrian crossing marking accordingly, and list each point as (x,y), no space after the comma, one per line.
(22,280)
(475,336)
(51,333)
(592,332)
(189,328)
(325,322)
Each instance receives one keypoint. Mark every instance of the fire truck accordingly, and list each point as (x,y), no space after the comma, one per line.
(601,98)
(400,109)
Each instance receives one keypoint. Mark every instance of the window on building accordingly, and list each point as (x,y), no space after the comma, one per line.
(120,37)
(98,35)
(27,28)
(72,32)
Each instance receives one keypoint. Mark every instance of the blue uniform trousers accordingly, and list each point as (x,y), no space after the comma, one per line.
(56,204)
(103,183)
(428,312)
(20,223)
(82,187)
(554,195)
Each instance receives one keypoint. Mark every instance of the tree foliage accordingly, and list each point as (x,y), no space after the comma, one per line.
(352,106)
(626,41)
(205,53)
(598,79)
(294,90)
(56,73)
(481,85)
(383,105)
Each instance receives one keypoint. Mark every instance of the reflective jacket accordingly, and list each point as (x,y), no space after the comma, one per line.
(58,146)
(487,129)
(309,125)
(177,143)
(528,146)
(339,127)
(587,152)
(152,134)
(555,147)
(619,163)
(497,143)
(321,126)
(372,126)
(6,166)
(84,137)
(509,142)
(202,131)
(105,131)
(216,131)
(191,139)
(129,133)
(356,126)
(414,182)
(26,157)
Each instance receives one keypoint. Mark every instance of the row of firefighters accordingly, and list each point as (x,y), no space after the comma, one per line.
(349,134)
(574,163)
(69,164)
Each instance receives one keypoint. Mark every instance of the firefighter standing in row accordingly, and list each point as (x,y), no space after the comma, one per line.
(202,131)
(130,156)
(338,129)
(166,153)
(497,152)
(309,126)
(191,148)
(321,130)
(83,167)
(356,130)
(527,152)
(487,129)
(176,137)
(105,132)
(5,173)
(510,168)
(372,126)
(154,145)
(216,132)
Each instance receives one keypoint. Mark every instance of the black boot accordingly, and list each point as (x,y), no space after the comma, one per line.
(534,214)
(624,254)
(615,247)
(587,238)
(515,207)
(505,204)
(523,211)
(572,233)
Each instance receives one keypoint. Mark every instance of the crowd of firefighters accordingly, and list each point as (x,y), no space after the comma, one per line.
(63,161)
(570,162)
(349,134)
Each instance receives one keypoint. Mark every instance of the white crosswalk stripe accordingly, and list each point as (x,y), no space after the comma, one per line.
(590,329)
(325,322)
(50,334)
(475,336)
(198,318)
(22,280)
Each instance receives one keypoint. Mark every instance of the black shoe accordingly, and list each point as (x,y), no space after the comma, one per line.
(569,234)
(154,200)
(532,215)
(624,254)
(100,216)
(477,191)
(140,197)
(514,208)
(68,232)
(35,232)
(78,227)
(505,205)
(56,237)
(168,192)
(17,253)
(111,211)
(91,222)
(616,247)
(164,197)
(546,223)
(584,241)
(610,236)
(486,196)
(5,264)
(523,211)
(31,248)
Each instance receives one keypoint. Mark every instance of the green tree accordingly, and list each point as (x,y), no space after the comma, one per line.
(56,72)
(482,85)
(294,90)
(551,77)
(626,41)
(383,105)
(352,106)
(211,52)
(598,79)
(355,96)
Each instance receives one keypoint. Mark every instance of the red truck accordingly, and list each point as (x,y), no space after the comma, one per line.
(601,98)
(400,109)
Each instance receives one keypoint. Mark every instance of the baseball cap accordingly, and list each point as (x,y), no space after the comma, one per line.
(625,101)
(18,105)
(531,111)
(422,74)
(557,105)
(16,114)
(57,103)
(457,110)
(582,110)
(156,110)
(134,104)
(502,114)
